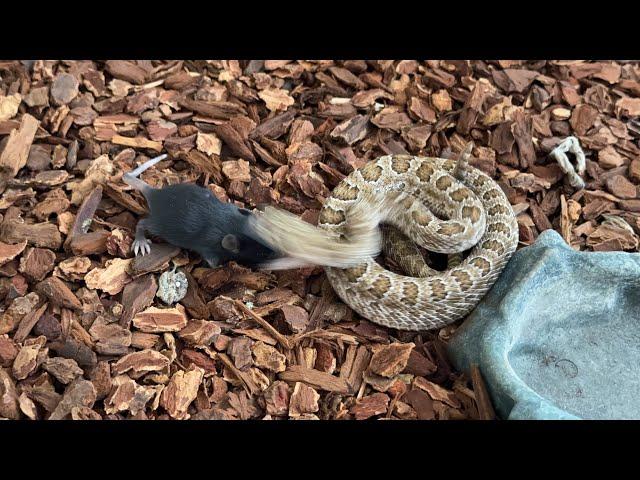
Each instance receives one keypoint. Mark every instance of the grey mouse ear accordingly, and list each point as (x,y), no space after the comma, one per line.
(230,242)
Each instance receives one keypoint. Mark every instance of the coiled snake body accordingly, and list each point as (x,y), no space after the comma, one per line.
(442,205)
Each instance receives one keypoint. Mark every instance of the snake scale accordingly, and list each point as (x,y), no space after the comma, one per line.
(442,205)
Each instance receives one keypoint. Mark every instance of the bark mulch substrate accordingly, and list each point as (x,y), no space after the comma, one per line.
(83,334)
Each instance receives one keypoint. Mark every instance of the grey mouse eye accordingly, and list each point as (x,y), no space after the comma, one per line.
(230,242)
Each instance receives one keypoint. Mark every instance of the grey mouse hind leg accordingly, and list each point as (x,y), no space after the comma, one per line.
(141,245)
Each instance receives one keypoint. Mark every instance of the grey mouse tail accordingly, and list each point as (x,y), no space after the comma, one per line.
(131,178)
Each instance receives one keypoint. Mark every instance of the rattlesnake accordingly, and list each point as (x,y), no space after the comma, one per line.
(467,209)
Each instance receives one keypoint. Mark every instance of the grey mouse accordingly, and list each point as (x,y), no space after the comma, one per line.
(191,217)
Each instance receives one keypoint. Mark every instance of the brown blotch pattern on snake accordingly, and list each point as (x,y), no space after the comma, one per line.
(460,194)
(438,289)
(451,228)
(444,182)
(380,286)
(481,264)
(344,191)
(491,194)
(401,163)
(449,165)
(494,245)
(481,181)
(421,217)
(371,172)
(473,212)
(425,171)
(498,227)
(410,292)
(354,273)
(498,210)
(463,278)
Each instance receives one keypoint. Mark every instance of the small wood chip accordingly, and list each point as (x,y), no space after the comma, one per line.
(16,151)
(370,406)
(277,397)
(236,170)
(26,360)
(314,378)
(240,350)
(9,252)
(80,393)
(296,317)
(436,392)
(390,360)
(156,320)
(352,130)
(136,296)
(127,395)
(199,332)
(70,348)
(621,187)
(267,357)
(65,370)
(181,391)
(485,408)
(8,351)
(128,71)
(137,142)
(421,403)
(28,322)
(208,143)
(419,365)
(110,338)
(276,99)
(36,263)
(58,293)
(17,310)
(304,399)
(9,106)
(283,340)
(143,361)
(8,396)
(44,235)
(158,259)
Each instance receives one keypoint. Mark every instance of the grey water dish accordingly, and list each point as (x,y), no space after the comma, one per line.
(558,335)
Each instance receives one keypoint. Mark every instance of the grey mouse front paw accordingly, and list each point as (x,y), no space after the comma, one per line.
(141,247)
